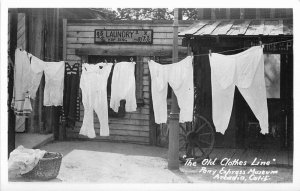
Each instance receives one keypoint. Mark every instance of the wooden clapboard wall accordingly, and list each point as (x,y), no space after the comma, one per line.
(8,31)
(79,37)
(21,34)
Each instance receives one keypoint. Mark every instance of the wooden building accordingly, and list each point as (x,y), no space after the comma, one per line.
(39,32)
(76,36)
(80,45)
(224,35)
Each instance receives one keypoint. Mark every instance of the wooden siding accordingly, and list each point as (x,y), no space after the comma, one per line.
(8,30)
(134,126)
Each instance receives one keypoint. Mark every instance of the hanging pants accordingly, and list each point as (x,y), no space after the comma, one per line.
(123,86)
(93,83)
(180,77)
(71,88)
(246,71)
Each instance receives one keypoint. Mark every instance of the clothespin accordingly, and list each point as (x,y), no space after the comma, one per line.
(209,52)
(105,61)
(115,61)
(85,68)
(131,59)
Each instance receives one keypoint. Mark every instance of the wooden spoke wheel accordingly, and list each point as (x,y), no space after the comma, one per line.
(196,140)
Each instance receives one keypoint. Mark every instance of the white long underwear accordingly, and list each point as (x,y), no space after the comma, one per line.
(180,77)
(54,80)
(93,83)
(246,71)
(22,83)
(123,86)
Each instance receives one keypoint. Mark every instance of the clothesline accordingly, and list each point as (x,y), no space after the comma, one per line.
(206,54)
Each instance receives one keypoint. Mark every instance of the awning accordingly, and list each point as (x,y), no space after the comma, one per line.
(272,27)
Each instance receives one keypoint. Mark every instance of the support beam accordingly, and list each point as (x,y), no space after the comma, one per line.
(11,116)
(37,47)
(173,152)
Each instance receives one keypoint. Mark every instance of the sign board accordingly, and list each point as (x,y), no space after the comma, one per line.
(128,36)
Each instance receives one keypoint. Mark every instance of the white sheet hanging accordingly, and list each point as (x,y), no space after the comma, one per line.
(246,71)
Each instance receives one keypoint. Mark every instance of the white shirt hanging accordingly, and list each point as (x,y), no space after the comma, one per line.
(123,86)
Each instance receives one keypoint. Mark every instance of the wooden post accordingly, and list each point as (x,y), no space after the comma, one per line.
(173,152)
(51,54)
(64,39)
(63,130)
(36,47)
(11,116)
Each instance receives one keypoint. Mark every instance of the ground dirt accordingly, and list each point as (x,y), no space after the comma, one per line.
(106,162)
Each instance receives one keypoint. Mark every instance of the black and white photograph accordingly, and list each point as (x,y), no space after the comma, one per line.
(170,96)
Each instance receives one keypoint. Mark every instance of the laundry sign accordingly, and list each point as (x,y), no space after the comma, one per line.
(130,36)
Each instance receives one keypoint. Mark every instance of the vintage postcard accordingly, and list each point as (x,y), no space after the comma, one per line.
(154,96)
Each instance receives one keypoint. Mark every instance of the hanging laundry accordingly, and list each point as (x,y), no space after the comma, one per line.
(246,71)
(54,80)
(93,83)
(22,84)
(71,89)
(180,77)
(123,86)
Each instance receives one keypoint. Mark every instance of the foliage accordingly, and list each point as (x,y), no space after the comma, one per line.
(145,14)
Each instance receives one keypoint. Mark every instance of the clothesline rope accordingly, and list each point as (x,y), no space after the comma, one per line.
(206,54)
(244,48)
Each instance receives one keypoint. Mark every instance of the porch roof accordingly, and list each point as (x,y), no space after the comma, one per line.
(255,27)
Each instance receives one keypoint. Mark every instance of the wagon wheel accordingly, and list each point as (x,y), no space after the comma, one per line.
(196,141)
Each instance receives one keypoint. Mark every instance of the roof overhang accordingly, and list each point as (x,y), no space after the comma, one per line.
(238,28)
